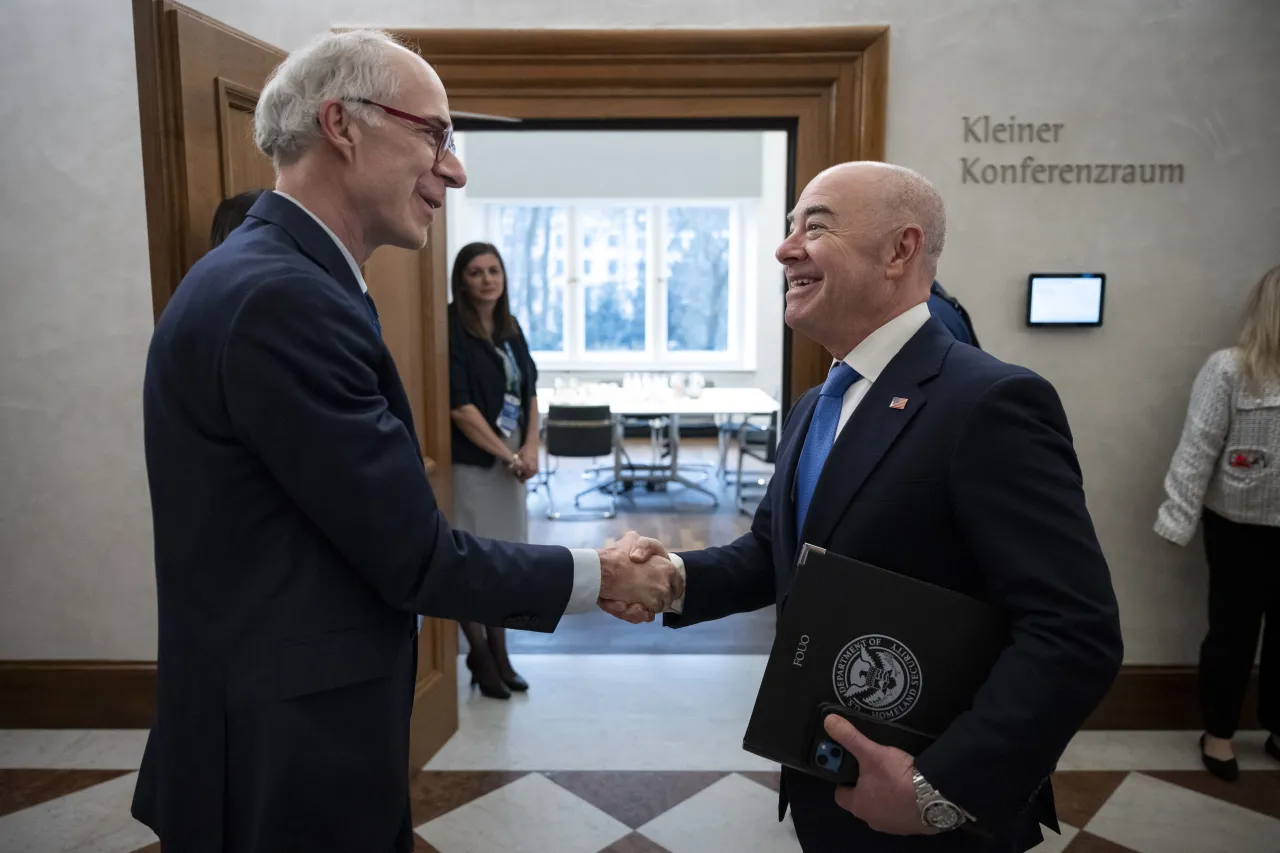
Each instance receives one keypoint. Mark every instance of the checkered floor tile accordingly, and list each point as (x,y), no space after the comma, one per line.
(541,773)
(43,811)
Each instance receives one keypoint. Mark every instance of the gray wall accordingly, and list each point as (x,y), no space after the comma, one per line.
(1194,82)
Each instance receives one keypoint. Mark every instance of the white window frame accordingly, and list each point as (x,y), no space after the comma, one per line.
(738,355)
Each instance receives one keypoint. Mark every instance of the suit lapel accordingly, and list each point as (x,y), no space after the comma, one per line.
(874,426)
(311,239)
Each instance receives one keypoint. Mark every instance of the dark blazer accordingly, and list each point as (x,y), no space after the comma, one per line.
(974,486)
(476,376)
(295,537)
(948,309)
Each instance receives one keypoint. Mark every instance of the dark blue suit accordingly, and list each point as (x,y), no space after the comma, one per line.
(295,538)
(975,486)
(948,309)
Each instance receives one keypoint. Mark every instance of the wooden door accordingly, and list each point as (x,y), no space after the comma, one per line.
(198,83)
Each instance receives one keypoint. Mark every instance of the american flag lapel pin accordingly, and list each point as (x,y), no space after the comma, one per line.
(898,403)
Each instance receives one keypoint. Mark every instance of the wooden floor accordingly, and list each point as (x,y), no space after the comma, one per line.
(683,520)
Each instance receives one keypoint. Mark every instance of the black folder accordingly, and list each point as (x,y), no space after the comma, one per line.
(898,657)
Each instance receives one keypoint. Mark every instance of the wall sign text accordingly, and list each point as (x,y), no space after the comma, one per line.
(984,130)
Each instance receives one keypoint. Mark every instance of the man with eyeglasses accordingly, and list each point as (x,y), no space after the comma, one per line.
(296,537)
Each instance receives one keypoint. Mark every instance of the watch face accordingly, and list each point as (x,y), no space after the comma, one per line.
(942,816)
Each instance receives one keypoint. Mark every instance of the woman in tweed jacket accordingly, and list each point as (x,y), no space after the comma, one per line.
(1226,471)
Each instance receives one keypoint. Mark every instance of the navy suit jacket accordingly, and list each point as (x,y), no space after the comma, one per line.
(296,536)
(974,486)
(950,317)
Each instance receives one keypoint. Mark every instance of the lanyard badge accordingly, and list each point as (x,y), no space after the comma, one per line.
(509,418)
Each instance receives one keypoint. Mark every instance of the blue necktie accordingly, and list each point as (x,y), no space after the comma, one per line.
(373,313)
(822,434)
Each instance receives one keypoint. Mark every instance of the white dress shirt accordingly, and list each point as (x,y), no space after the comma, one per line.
(873,355)
(586,562)
(869,359)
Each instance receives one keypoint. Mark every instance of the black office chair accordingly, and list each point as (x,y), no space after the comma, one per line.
(580,432)
(761,443)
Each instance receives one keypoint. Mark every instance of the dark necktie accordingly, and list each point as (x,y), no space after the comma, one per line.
(373,313)
(820,438)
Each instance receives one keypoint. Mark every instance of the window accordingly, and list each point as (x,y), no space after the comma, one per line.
(526,236)
(614,304)
(697,262)
(659,284)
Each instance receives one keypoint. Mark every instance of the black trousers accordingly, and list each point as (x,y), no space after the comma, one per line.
(1244,587)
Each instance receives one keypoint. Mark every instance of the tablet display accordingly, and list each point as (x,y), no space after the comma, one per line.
(1065,299)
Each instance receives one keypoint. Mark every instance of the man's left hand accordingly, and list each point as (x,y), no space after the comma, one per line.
(884,798)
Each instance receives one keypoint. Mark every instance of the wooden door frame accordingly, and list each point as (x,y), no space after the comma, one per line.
(831,82)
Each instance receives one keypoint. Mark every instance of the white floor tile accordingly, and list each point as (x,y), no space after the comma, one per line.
(1154,750)
(611,712)
(1152,816)
(71,749)
(532,814)
(735,815)
(92,820)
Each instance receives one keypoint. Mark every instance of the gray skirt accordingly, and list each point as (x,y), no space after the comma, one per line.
(491,502)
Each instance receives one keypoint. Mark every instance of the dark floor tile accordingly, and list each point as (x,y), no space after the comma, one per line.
(1258,790)
(768,778)
(635,843)
(634,797)
(1086,843)
(420,845)
(1080,793)
(434,793)
(20,789)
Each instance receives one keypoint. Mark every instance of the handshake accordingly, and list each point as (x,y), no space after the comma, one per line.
(638,579)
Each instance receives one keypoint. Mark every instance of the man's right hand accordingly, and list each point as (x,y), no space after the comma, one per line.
(636,584)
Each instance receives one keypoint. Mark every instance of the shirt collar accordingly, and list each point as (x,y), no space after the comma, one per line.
(355,268)
(873,355)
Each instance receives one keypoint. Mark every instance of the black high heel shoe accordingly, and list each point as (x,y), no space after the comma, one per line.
(1227,771)
(516,683)
(490,684)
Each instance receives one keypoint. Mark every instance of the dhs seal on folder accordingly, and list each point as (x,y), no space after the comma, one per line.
(898,657)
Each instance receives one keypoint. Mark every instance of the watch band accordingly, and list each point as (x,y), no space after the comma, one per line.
(927,795)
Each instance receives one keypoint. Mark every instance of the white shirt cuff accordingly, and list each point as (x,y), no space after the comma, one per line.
(586,581)
(677,606)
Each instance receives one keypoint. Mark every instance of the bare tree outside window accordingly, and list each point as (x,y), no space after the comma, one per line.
(697,261)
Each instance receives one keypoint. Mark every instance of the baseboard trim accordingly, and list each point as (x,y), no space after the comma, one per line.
(1161,697)
(121,695)
(77,694)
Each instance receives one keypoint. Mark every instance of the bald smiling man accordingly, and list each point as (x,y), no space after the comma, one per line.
(937,461)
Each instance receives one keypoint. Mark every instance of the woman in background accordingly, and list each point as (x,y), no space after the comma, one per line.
(492,382)
(1226,470)
(230,214)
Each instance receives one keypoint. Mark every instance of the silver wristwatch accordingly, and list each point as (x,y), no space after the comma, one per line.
(936,811)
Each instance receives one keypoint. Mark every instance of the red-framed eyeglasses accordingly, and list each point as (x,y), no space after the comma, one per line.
(441,135)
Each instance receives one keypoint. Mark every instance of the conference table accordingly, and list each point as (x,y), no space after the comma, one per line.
(659,401)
